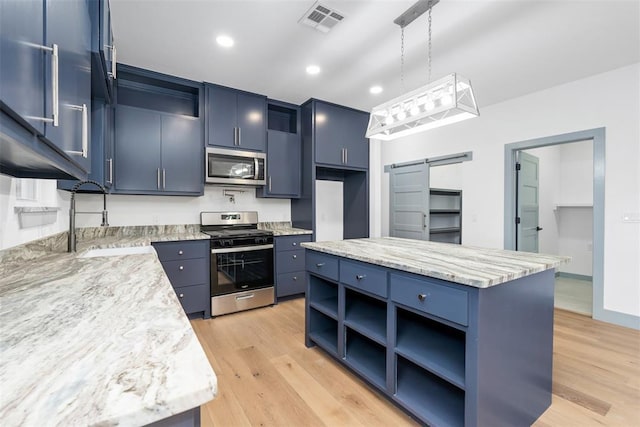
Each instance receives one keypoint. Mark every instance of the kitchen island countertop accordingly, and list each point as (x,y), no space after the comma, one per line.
(467,265)
(96,341)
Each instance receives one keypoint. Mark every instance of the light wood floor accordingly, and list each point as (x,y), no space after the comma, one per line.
(267,377)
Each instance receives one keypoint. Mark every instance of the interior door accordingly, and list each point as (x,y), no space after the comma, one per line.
(409,201)
(527,202)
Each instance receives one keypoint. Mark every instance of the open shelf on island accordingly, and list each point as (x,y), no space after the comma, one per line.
(432,345)
(434,400)
(367,357)
(323,330)
(323,296)
(366,315)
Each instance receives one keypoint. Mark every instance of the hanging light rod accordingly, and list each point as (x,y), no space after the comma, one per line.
(414,12)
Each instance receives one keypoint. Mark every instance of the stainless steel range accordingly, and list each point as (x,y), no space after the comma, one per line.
(241,261)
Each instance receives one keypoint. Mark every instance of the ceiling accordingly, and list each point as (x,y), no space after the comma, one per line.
(507,48)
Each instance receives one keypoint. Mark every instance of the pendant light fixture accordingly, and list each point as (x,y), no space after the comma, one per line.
(441,102)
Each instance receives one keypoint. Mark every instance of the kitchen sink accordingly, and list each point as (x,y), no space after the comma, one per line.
(128,250)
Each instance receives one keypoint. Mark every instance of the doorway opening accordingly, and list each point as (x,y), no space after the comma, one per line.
(560,210)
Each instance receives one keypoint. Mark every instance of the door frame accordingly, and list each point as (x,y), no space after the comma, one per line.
(597,137)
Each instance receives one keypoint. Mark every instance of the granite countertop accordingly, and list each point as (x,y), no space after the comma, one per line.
(96,341)
(467,265)
(282,228)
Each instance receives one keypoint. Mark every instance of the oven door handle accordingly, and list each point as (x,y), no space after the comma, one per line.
(241,249)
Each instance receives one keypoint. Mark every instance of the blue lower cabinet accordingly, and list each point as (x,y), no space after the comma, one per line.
(186,264)
(289,263)
(449,354)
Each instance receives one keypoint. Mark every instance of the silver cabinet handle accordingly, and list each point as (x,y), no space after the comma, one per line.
(294,256)
(422,297)
(342,155)
(241,297)
(320,264)
(110,180)
(295,277)
(85,130)
(181,295)
(181,268)
(112,73)
(269,182)
(180,252)
(158,178)
(360,276)
(239,136)
(424,221)
(55,85)
(164,178)
(294,244)
(346,156)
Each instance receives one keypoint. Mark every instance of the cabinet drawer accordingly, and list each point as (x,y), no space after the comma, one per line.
(290,243)
(187,272)
(289,261)
(322,264)
(169,251)
(363,276)
(427,295)
(291,283)
(194,298)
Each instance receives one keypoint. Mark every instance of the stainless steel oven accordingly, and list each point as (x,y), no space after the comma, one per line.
(241,261)
(235,167)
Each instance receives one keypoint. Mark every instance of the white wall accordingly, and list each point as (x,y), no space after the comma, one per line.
(609,100)
(10,232)
(127,210)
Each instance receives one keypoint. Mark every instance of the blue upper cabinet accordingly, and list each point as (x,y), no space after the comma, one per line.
(103,50)
(284,151)
(22,61)
(339,136)
(236,119)
(159,144)
(45,88)
(73,78)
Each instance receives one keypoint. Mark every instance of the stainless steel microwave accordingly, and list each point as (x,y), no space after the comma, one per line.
(235,167)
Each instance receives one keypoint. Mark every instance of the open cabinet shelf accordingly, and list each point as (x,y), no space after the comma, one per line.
(366,357)
(366,315)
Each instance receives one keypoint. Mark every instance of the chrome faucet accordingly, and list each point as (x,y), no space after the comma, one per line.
(71,247)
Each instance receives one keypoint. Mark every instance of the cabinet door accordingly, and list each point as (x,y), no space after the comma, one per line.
(21,61)
(182,154)
(357,146)
(137,149)
(252,125)
(221,116)
(330,127)
(283,164)
(69,27)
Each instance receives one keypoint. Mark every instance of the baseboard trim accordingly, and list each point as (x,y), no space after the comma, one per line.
(574,276)
(617,318)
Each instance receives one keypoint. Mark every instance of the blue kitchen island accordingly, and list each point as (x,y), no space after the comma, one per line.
(456,335)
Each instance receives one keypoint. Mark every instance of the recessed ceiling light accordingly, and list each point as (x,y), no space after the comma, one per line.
(375,89)
(313,69)
(224,40)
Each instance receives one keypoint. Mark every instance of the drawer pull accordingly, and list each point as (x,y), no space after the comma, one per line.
(180,252)
(181,295)
(360,276)
(422,297)
(320,264)
(248,296)
(295,256)
(294,244)
(181,268)
(295,277)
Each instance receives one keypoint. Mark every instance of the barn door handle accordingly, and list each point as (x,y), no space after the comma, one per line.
(538,228)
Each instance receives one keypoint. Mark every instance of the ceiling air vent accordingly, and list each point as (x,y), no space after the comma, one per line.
(321,17)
